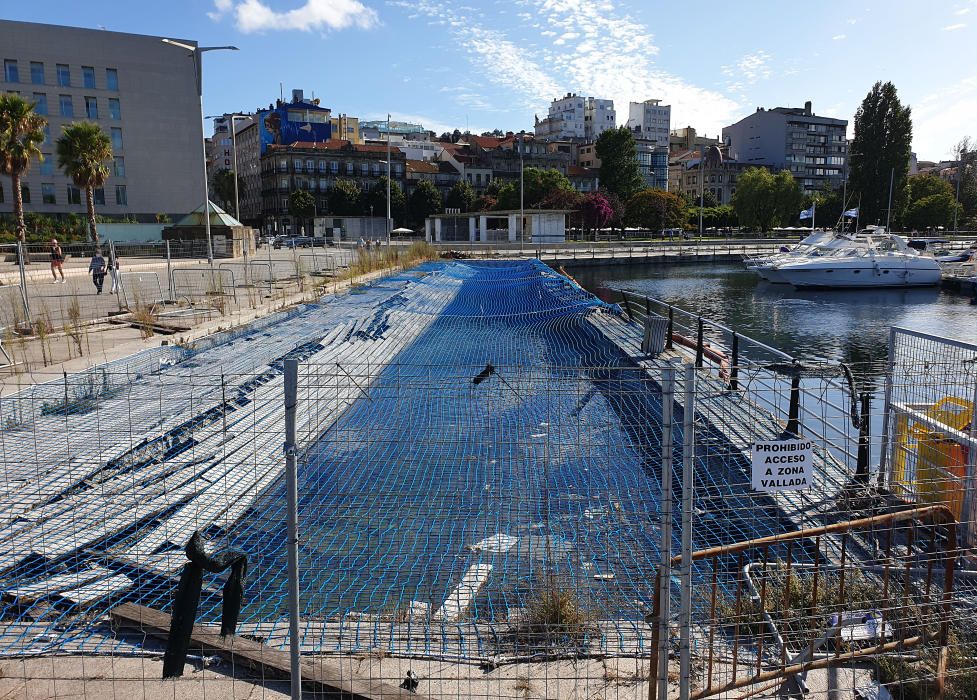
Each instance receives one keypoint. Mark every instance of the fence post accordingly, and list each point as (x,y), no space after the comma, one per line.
(271,273)
(864,435)
(627,308)
(884,453)
(698,344)
(169,274)
(688,484)
(794,409)
(291,485)
(734,366)
(658,688)
(116,276)
(671,327)
(23,284)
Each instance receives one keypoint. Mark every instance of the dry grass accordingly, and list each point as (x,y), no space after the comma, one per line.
(146,317)
(554,618)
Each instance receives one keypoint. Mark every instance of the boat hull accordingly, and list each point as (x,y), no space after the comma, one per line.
(861,276)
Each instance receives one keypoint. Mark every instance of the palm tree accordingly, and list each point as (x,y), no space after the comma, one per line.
(21,131)
(83,150)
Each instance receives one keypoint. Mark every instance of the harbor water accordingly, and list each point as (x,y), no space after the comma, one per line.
(843,325)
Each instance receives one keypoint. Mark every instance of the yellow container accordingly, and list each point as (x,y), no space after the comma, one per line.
(941,462)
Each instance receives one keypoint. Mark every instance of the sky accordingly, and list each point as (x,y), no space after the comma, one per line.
(486,64)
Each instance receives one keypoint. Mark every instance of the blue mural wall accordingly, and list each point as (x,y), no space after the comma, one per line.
(275,127)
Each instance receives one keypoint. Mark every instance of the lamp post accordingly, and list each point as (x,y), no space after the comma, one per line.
(388,183)
(237,201)
(522,195)
(196,54)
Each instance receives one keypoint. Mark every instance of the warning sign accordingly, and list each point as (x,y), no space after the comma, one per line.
(782,465)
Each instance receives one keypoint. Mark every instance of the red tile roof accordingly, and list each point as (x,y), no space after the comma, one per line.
(336,145)
(421,166)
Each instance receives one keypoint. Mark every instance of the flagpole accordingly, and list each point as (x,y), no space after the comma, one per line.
(814,210)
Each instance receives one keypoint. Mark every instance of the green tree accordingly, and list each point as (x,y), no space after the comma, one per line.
(543,183)
(423,201)
(461,196)
(932,210)
(655,210)
(223,185)
(619,172)
(344,197)
(21,134)
(376,198)
(763,200)
(506,195)
(301,205)
(926,185)
(881,147)
(83,150)
(966,150)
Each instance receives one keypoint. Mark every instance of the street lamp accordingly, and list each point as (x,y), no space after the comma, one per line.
(522,195)
(388,182)
(196,54)
(237,205)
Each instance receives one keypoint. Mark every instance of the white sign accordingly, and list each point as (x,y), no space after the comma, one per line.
(782,465)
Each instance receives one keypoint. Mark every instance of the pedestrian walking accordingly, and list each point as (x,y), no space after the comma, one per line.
(97,269)
(114,272)
(57,260)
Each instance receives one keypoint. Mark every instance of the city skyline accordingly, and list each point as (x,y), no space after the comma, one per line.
(486,65)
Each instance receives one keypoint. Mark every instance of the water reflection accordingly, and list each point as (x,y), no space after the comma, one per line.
(843,325)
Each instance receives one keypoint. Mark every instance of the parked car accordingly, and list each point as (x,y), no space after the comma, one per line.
(298,242)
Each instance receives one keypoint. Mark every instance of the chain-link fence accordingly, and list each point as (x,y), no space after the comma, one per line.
(492,485)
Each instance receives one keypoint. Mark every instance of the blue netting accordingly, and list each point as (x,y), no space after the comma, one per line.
(547,471)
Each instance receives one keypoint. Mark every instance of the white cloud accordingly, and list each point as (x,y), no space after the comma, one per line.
(255,16)
(588,47)
(943,117)
(962,11)
(953,27)
(839,37)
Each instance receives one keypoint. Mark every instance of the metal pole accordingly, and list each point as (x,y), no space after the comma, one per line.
(702,187)
(23,283)
(169,274)
(884,453)
(888,213)
(522,198)
(198,64)
(388,183)
(237,204)
(665,574)
(688,483)
(271,272)
(291,400)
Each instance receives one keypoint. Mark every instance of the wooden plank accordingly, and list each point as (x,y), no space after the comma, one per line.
(321,676)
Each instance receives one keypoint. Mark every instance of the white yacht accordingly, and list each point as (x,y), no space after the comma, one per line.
(869,259)
(817,243)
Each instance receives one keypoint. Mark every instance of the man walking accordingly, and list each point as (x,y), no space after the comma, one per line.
(97,269)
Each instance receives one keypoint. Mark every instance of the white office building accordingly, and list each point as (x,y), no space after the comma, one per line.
(651,121)
(142,92)
(576,117)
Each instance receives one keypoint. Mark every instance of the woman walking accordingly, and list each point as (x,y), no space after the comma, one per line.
(114,272)
(97,269)
(57,260)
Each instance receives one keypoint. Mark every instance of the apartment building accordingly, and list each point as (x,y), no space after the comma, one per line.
(814,149)
(139,90)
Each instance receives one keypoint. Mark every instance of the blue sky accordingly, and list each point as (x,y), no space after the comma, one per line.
(496,63)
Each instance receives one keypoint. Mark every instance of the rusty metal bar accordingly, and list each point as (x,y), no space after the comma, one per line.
(899,516)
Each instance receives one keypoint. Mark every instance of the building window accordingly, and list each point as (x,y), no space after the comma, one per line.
(376,170)
(40,102)
(119,166)
(115,109)
(25,194)
(88,77)
(67,108)
(310,165)
(74,195)
(322,166)
(37,72)
(99,196)
(283,165)
(10,71)
(334,167)
(349,168)
(283,183)
(64,75)
(47,165)
(121,197)
(1,194)
(47,193)
(111,79)
(91,107)
(323,184)
(47,134)
(116,134)
(365,168)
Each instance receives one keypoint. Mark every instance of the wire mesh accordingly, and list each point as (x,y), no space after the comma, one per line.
(480,505)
